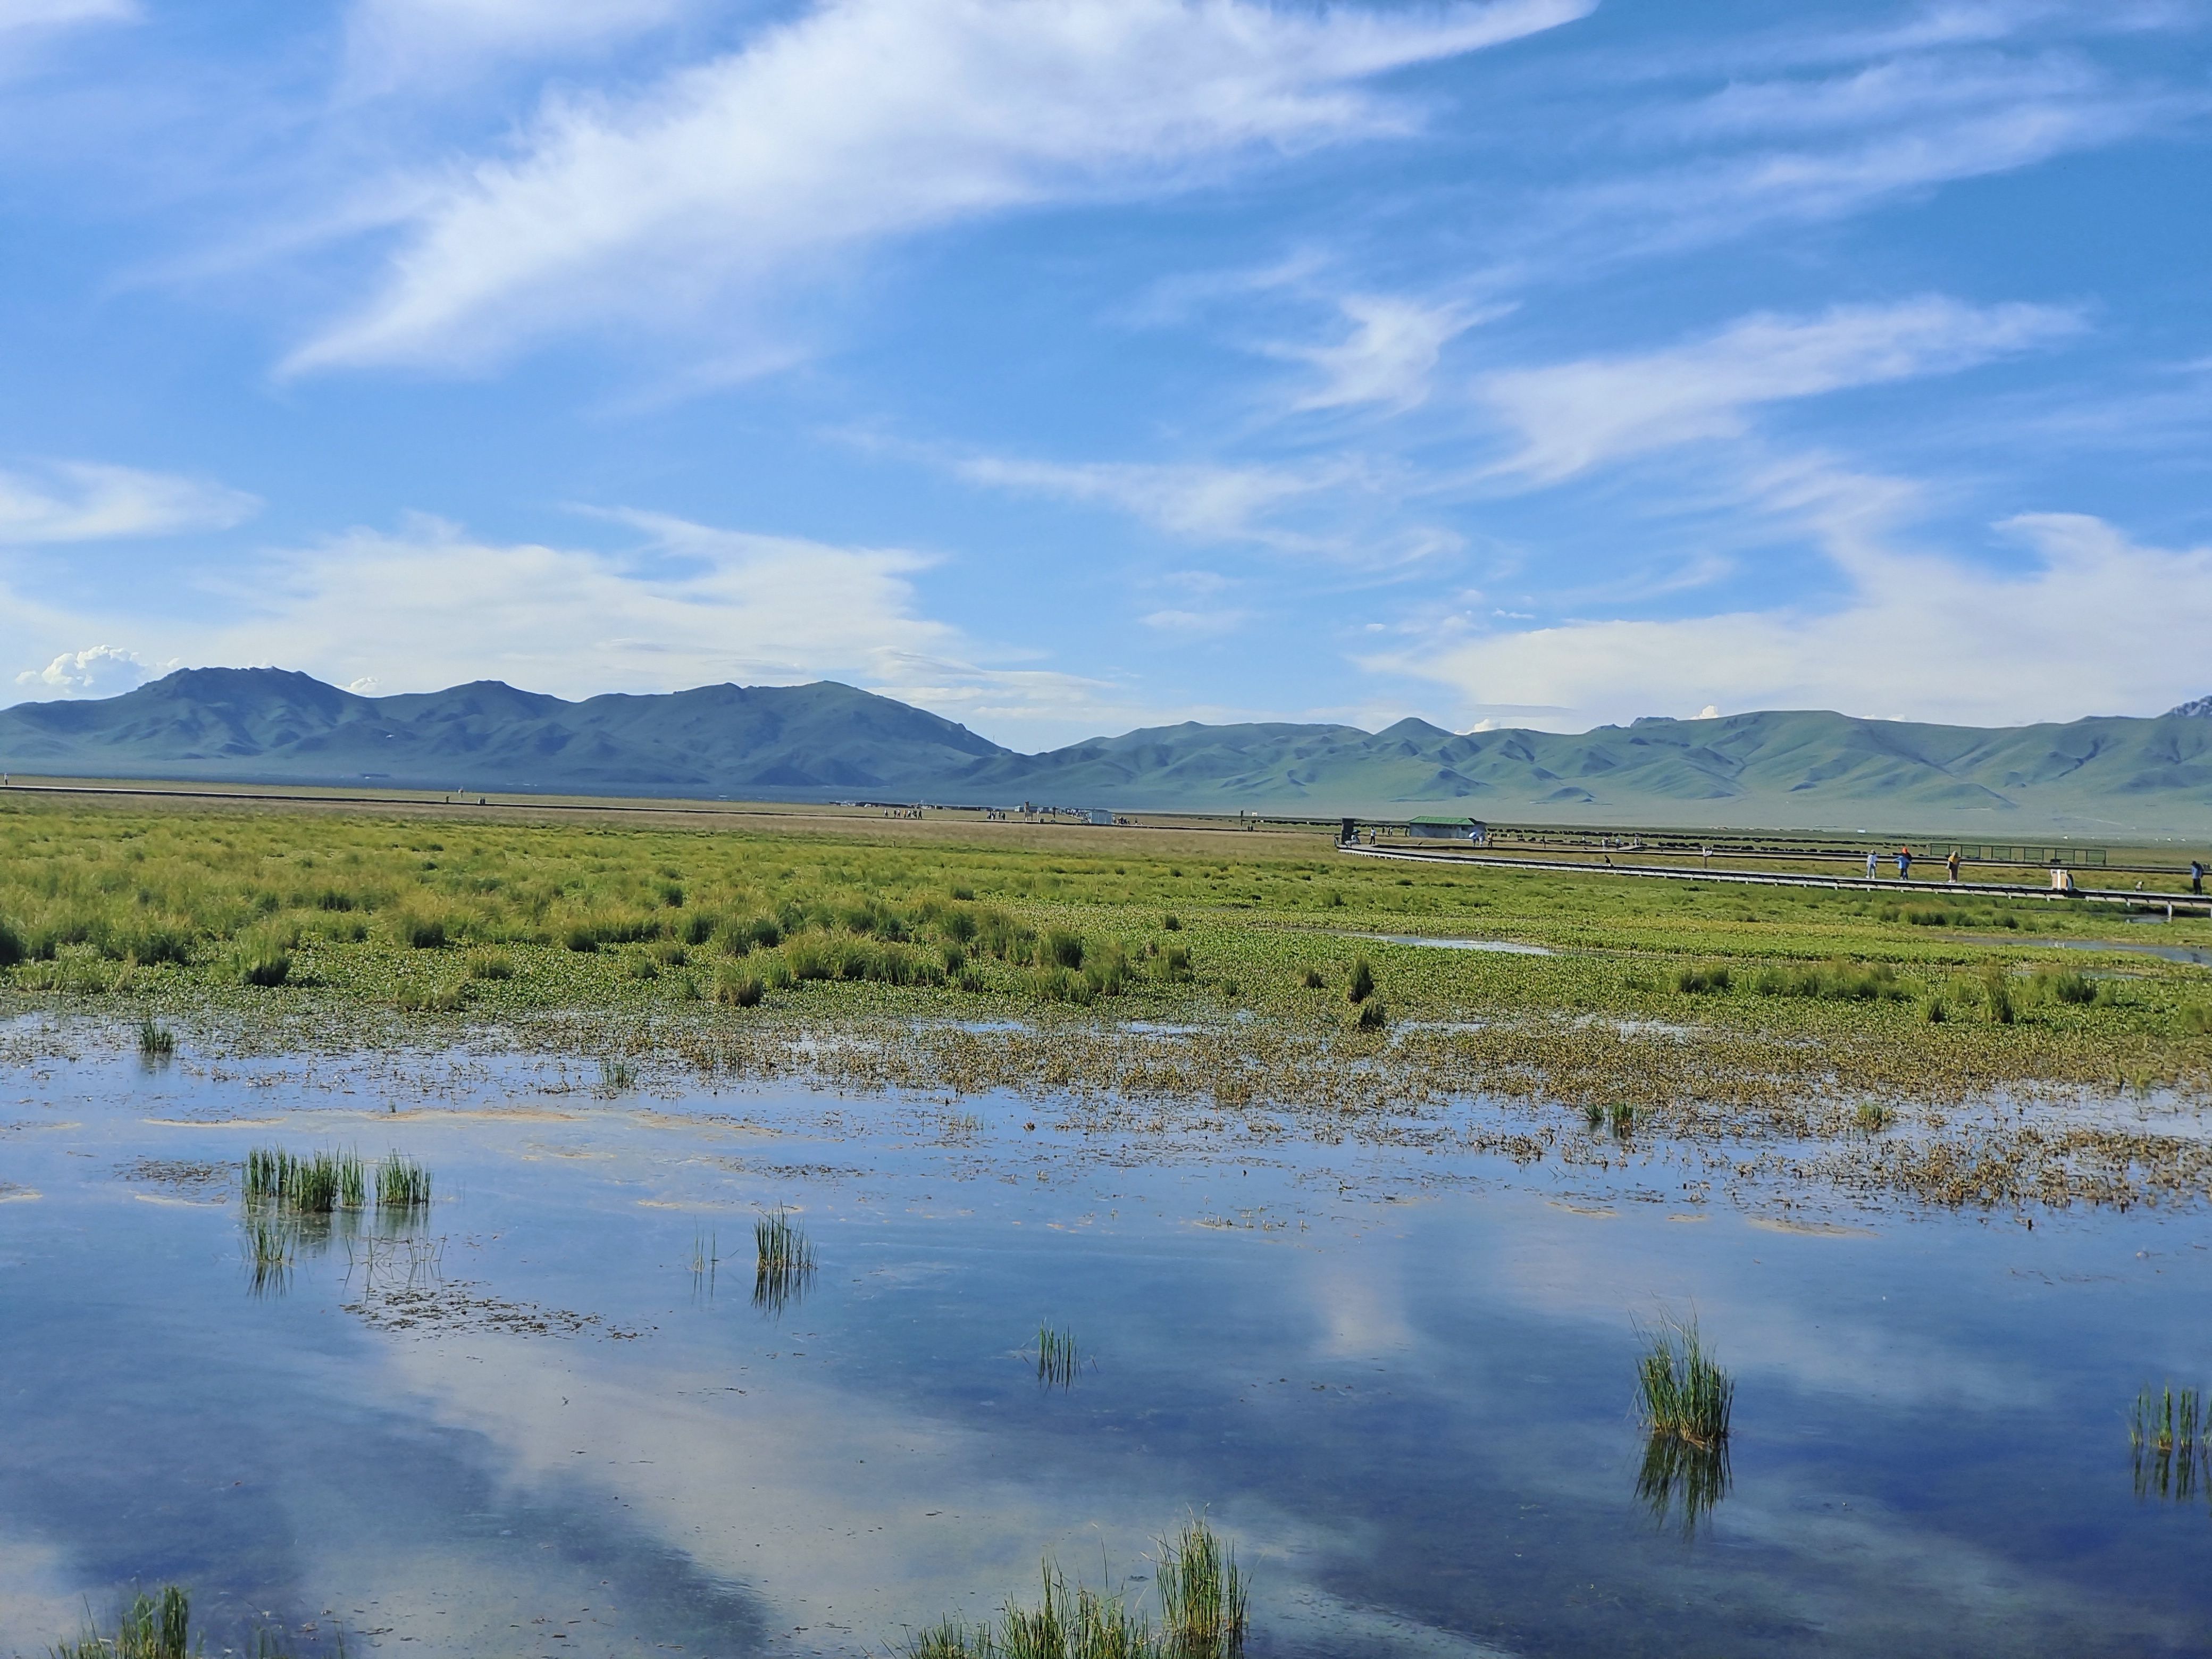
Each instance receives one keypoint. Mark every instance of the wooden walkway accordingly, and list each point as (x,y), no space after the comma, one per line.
(2171,904)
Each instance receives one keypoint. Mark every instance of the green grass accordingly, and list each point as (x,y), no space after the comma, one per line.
(150,1627)
(1058,1359)
(783,1261)
(1796,995)
(2170,1434)
(1681,1393)
(1203,1604)
(402,1183)
(156,1040)
(315,1183)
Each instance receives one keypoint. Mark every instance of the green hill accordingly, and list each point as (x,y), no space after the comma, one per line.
(2108,775)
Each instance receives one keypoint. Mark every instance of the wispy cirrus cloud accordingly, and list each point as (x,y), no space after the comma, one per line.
(1568,417)
(408,45)
(1388,354)
(86,501)
(863,120)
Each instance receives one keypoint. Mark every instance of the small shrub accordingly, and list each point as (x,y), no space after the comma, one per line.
(420,933)
(965,895)
(1171,923)
(1063,948)
(579,939)
(1361,986)
(2065,984)
(1372,1017)
(1311,979)
(2195,1020)
(735,988)
(1996,993)
(490,964)
(1710,977)
(1874,1117)
(263,966)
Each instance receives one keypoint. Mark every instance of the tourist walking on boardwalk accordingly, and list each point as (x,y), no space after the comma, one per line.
(2196,876)
(1905,864)
(1871,863)
(1952,864)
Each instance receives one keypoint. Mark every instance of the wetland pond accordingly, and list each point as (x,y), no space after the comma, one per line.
(555,1413)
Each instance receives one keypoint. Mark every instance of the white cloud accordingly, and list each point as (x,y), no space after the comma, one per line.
(1387,357)
(1570,416)
(2096,623)
(29,15)
(99,670)
(1914,113)
(1193,501)
(867,119)
(431,606)
(406,44)
(81,502)
(1196,624)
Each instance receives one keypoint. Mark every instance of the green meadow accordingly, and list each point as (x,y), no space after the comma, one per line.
(1663,1007)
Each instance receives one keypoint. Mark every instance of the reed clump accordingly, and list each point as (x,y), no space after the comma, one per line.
(1681,1393)
(156,1040)
(1204,1615)
(2170,1434)
(154,1626)
(402,1183)
(1058,1359)
(315,1183)
(783,1261)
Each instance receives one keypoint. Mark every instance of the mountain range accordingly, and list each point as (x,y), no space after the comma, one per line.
(2107,775)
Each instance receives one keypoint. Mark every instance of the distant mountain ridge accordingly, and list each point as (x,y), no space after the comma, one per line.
(1780,769)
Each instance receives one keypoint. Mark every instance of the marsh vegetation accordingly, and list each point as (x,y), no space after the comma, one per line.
(1203,1614)
(783,1263)
(868,953)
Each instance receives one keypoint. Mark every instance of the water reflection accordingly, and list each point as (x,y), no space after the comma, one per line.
(1680,1482)
(2172,1442)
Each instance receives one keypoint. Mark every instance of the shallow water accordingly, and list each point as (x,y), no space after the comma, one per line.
(1399,1381)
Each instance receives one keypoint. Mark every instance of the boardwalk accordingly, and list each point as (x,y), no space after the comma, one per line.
(2171,904)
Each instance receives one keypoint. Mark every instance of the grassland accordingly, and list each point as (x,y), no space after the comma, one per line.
(1806,1027)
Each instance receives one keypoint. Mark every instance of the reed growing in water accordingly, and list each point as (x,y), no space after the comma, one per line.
(784,1262)
(2171,1436)
(1058,1359)
(314,1184)
(151,1627)
(1681,1394)
(401,1184)
(1203,1597)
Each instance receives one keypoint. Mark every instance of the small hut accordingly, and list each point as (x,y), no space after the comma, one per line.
(1444,829)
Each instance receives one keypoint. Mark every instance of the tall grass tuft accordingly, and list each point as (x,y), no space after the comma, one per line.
(314,1184)
(151,1627)
(2170,1433)
(1202,1596)
(1058,1357)
(1201,1589)
(1362,985)
(156,1040)
(401,1184)
(1681,1393)
(784,1262)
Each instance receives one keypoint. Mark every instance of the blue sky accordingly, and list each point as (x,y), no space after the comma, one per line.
(1065,366)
